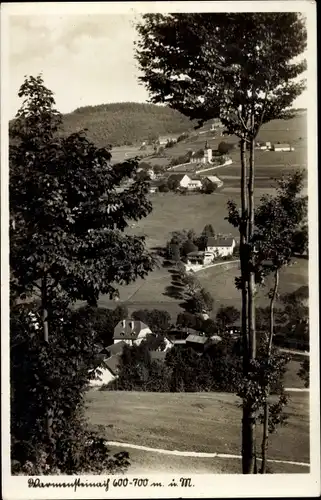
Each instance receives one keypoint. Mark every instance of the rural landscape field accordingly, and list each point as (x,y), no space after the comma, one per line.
(159,247)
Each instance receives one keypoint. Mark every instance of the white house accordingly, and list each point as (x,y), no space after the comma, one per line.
(163,140)
(186,182)
(195,183)
(282,147)
(183,179)
(220,246)
(198,259)
(130,331)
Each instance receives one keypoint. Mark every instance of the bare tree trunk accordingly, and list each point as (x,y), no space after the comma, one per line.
(44,305)
(251,282)
(265,438)
(248,421)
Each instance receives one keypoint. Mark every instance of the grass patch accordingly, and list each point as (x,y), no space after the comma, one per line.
(202,422)
(149,462)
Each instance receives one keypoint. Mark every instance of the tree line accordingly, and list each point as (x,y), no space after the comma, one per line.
(125,124)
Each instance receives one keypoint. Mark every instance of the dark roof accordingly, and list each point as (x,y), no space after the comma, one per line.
(197,339)
(197,253)
(157,355)
(195,178)
(219,242)
(116,348)
(281,145)
(177,177)
(128,329)
(112,363)
(199,154)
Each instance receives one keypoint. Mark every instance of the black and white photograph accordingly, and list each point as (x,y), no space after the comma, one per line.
(159,278)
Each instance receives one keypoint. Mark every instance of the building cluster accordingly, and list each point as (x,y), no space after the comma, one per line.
(194,182)
(215,248)
(131,332)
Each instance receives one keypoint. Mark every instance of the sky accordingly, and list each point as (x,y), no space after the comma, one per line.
(84,59)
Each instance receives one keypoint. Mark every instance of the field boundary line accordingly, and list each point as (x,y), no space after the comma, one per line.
(195,454)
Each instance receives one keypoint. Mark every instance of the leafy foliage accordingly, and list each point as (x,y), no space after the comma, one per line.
(227,316)
(157,320)
(304,372)
(40,375)
(67,243)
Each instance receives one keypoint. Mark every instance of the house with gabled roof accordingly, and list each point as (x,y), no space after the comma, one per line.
(106,371)
(220,247)
(213,179)
(130,331)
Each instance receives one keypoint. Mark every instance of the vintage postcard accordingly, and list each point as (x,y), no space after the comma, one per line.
(159,279)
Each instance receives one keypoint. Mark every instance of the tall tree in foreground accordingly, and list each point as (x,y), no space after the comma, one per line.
(67,240)
(238,67)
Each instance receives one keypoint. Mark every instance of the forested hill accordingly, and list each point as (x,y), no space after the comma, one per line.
(125,123)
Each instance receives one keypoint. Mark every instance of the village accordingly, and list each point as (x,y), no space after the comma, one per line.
(159,248)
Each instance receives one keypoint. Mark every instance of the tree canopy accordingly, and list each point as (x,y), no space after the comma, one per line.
(207,65)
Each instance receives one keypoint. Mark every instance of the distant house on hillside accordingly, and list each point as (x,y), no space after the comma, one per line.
(165,139)
(263,146)
(281,147)
(130,331)
(185,181)
(198,258)
(220,246)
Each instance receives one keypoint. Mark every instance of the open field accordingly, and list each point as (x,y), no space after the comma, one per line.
(152,293)
(220,283)
(173,212)
(200,422)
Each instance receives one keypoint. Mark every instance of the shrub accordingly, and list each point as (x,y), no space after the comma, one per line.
(41,375)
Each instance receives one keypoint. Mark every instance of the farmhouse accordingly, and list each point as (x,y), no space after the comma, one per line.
(182,179)
(213,179)
(220,246)
(185,181)
(130,331)
(281,147)
(195,183)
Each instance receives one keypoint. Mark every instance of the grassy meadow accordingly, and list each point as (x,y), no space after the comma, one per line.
(199,422)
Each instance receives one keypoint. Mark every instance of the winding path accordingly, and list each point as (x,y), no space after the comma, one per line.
(195,454)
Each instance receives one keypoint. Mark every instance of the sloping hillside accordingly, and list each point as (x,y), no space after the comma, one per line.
(126,123)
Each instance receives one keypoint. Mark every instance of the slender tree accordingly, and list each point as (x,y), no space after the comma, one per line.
(277,220)
(67,238)
(238,67)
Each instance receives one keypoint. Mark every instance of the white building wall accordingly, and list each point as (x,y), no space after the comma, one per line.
(142,335)
(105,377)
(185,181)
